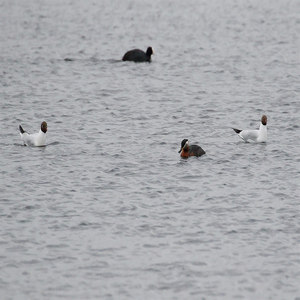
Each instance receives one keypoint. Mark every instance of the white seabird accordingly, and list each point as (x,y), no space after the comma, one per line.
(36,139)
(258,136)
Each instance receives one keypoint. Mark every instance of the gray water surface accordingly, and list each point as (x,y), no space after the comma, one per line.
(108,209)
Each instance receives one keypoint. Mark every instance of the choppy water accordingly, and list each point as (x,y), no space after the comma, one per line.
(108,210)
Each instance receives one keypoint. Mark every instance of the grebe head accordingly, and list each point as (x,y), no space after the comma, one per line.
(184,144)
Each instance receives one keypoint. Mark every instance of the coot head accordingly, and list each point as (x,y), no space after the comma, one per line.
(149,51)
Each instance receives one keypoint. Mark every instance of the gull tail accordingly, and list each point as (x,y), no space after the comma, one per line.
(21,129)
(237,130)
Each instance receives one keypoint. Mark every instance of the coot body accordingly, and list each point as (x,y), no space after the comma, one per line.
(138,55)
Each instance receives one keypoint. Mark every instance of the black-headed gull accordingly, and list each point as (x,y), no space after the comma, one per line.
(35,139)
(187,150)
(259,136)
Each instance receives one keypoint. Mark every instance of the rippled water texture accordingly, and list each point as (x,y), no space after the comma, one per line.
(108,210)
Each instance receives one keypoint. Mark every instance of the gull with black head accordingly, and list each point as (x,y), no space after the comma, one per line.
(258,136)
(36,139)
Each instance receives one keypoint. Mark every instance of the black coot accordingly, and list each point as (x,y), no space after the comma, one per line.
(138,55)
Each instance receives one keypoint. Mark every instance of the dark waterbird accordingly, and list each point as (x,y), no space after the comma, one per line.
(187,150)
(138,55)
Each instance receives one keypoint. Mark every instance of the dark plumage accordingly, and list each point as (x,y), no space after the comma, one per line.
(21,129)
(138,55)
(237,130)
(187,150)
(44,127)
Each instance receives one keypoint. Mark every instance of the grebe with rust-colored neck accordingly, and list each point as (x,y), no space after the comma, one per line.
(187,150)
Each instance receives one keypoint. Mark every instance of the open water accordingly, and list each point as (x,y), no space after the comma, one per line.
(108,209)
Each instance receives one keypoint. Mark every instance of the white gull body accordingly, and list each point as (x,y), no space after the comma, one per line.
(258,136)
(36,139)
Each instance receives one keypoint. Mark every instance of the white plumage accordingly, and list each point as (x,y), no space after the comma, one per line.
(258,136)
(36,139)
